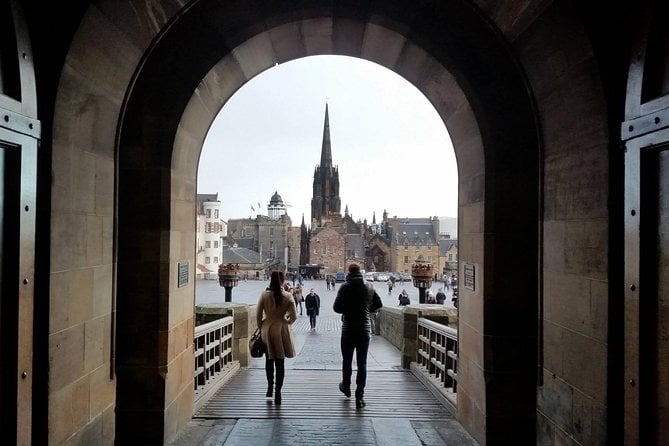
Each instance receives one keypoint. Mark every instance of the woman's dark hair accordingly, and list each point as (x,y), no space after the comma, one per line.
(276,285)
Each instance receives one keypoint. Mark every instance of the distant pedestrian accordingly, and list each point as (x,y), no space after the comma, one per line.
(278,309)
(441,296)
(404,298)
(429,297)
(332,283)
(390,287)
(297,296)
(355,301)
(313,305)
(454,297)
(327,282)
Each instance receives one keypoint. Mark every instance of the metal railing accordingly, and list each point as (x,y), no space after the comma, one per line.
(437,355)
(213,352)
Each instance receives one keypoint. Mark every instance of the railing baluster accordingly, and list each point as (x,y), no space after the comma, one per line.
(437,353)
(213,350)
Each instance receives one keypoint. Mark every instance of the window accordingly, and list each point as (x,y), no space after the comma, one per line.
(429,259)
(406,259)
(406,247)
(208,213)
(207,260)
(215,259)
(215,243)
(323,250)
(216,213)
(450,257)
(207,244)
(271,232)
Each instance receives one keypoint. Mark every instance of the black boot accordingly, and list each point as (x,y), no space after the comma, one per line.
(280,372)
(269,373)
(359,401)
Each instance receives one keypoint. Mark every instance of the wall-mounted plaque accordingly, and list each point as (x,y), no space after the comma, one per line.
(470,276)
(182,275)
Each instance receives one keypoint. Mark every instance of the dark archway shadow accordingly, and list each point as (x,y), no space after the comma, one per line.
(457,59)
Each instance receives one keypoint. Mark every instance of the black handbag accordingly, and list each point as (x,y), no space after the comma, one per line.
(257,347)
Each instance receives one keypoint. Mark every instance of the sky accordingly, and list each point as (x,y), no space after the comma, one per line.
(391,146)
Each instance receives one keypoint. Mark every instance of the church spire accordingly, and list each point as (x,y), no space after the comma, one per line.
(326,150)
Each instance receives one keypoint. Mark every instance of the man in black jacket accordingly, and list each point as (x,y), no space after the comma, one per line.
(355,301)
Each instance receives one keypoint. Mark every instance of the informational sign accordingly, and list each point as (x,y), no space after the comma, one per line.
(182,276)
(470,276)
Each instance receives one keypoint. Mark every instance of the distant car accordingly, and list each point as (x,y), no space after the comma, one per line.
(340,277)
(382,277)
(369,277)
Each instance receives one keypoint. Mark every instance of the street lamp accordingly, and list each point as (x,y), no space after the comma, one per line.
(228,277)
(422,274)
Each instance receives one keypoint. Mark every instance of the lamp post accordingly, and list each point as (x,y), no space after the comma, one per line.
(228,277)
(422,274)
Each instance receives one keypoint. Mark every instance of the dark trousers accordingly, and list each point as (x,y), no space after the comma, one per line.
(358,341)
(270,364)
(312,319)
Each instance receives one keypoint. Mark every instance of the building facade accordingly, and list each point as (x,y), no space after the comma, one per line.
(271,236)
(211,233)
(410,238)
(448,256)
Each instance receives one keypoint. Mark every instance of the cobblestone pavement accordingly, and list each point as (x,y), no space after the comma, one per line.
(248,292)
(318,350)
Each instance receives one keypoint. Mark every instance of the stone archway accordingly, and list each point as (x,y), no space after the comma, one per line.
(184,79)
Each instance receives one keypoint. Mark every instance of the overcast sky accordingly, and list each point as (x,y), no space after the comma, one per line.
(391,146)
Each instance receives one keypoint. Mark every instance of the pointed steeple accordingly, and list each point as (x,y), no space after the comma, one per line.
(346,211)
(326,150)
(374,218)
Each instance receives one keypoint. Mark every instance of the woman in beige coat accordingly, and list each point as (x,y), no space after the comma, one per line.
(278,308)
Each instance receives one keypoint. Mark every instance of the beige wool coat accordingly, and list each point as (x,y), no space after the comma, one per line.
(275,324)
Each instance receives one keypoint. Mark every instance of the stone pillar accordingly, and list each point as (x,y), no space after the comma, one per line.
(244,324)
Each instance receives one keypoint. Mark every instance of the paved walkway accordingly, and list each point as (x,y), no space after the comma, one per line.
(400,410)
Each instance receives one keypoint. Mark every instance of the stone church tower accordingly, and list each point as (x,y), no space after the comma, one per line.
(304,243)
(325,201)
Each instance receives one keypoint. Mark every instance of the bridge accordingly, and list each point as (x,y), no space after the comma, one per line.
(402,404)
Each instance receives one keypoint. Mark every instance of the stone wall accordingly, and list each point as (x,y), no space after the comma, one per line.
(390,325)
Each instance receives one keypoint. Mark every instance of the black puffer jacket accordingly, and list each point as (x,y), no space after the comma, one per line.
(355,301)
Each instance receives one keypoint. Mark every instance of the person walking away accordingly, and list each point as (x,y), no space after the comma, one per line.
(327,282)
(297,296)
(274,315)
(355,301)
(313,304)
(404,298)
(441,296)
(332,283)
(390,287)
